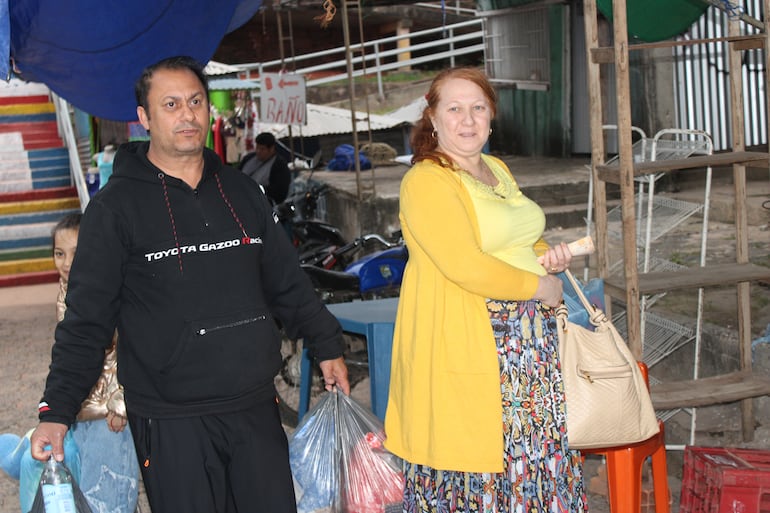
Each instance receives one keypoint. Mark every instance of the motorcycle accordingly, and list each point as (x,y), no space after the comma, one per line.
(375,275)
(320,243)
(297,213)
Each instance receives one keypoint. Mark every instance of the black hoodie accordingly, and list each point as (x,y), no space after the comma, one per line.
(193,279)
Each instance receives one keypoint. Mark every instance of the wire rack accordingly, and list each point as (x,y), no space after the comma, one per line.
(662,336)
(648,150)
(667,213)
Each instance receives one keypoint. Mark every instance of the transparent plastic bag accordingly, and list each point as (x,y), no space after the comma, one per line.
(339,463)
(81,503)
(30,470)
(313,457)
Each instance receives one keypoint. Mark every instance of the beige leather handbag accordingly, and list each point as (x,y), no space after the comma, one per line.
(608,403)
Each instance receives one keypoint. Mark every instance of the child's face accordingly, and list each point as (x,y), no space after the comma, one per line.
(65,242)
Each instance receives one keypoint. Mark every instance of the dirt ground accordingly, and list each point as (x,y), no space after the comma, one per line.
(27,323)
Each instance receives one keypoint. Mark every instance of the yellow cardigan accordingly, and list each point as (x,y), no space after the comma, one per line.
(444,405)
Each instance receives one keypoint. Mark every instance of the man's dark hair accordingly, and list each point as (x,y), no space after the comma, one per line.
(142,86)
(265,139)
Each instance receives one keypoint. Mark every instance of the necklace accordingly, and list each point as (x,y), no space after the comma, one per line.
(486,176)
(501,190)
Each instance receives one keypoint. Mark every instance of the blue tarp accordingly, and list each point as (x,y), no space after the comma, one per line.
(5,38)
(90,52)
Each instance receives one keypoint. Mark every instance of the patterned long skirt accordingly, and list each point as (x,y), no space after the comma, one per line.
(540,473)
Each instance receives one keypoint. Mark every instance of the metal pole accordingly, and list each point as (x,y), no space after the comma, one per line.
(352,94)
(380,89)
(279,22)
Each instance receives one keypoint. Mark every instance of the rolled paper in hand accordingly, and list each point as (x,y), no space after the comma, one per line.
(580,247)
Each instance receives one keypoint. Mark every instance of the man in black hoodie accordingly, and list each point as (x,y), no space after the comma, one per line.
(181,253)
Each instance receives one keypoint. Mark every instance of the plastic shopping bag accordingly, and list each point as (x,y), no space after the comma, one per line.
(313,458)
(81,503)
(339,463)
(31,470)
(593,291)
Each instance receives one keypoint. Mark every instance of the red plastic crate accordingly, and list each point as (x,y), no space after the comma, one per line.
(725,480)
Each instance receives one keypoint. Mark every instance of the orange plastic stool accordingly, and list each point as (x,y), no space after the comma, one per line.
(624,471)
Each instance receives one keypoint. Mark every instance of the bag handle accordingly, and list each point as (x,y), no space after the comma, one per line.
(596,315)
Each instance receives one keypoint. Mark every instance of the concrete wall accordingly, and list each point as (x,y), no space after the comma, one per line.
(376,215)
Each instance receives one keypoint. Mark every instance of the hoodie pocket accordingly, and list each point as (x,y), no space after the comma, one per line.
(222,357)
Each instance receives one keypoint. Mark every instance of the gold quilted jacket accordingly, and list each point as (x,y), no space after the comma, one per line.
(107,394)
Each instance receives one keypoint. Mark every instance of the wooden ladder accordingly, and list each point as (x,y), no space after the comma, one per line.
(743,384)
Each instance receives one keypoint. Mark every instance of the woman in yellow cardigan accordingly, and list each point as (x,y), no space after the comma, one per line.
(476,406)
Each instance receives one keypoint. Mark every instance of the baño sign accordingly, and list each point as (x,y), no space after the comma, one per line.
(283,99)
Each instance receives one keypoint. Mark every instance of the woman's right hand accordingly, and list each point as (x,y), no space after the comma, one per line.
(550,290)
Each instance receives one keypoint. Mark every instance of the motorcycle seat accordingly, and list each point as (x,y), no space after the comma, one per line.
(327,279)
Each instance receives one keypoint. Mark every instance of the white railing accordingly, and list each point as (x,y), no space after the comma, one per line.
(67,132)
(457,39)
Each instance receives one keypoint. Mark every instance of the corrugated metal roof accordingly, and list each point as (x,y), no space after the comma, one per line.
(217,68)
(232,84)
(412,112)
(325,120)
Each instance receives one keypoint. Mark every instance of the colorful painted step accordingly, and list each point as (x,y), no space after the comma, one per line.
(20,109)
(40,194)
(33,278)
(32,265)
(35,184)
(41,126)
(31,135)
(32,116)
(25,254)
(33,169)
(33,230)
(37,205)
(32,98)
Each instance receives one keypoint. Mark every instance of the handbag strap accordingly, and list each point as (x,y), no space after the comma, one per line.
(596,315)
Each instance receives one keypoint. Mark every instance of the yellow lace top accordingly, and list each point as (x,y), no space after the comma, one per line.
(510,223)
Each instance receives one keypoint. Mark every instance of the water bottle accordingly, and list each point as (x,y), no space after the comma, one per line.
(92,181)
(56,482)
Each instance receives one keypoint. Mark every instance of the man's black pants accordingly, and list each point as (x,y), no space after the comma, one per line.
(228,463)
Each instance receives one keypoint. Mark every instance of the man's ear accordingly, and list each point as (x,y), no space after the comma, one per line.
(143,117)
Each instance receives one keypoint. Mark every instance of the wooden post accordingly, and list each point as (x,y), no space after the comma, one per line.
(626,170)
(596,114)
(743,289)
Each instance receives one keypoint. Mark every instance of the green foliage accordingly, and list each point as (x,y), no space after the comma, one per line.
(677,258)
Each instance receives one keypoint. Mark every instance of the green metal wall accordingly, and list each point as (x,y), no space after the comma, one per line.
(535,122)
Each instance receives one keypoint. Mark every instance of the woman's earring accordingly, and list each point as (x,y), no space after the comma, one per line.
(490,131)
(434,133)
